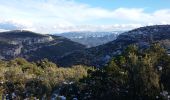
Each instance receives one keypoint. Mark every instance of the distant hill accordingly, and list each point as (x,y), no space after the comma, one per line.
(65,52)
(34,46)
(91,39)
(100,55)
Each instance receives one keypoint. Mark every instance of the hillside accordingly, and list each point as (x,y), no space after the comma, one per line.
(142,37)
(141,72)
(65,52)
(34,46)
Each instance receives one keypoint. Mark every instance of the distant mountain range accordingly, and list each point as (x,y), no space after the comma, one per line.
(65,52)
(91,39)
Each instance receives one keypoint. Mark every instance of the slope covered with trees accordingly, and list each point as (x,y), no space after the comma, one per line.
(20,79)
(143,37)
(134,75)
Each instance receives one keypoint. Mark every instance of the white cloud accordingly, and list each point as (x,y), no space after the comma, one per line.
(67,15)
(101,28)
(15,24)
(161,16)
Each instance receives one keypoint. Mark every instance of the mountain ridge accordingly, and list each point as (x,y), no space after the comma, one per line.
(65,52)
(91,39)
(100,55)
(30,45)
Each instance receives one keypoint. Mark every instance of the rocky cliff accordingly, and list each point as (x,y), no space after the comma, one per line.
(31,45)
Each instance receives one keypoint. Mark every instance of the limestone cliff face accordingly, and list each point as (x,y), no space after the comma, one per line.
(33,46)
(13,46)
(31,41)
(10,52)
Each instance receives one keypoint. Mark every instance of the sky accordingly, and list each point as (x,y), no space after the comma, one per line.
(56,16)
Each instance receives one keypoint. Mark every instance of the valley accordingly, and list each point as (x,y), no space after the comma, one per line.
(91,39)
(50,66)
(84,50)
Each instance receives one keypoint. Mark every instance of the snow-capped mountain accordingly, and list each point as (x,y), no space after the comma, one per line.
(91,39)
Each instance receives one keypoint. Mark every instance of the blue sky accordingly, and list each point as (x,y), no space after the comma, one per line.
(52,16)
(151,5)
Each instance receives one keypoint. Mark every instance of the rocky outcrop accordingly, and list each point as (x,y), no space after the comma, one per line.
(13,46)
(31,41)
(34,46)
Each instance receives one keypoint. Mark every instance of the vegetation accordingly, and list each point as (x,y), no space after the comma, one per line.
(27,79)
(134,75)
